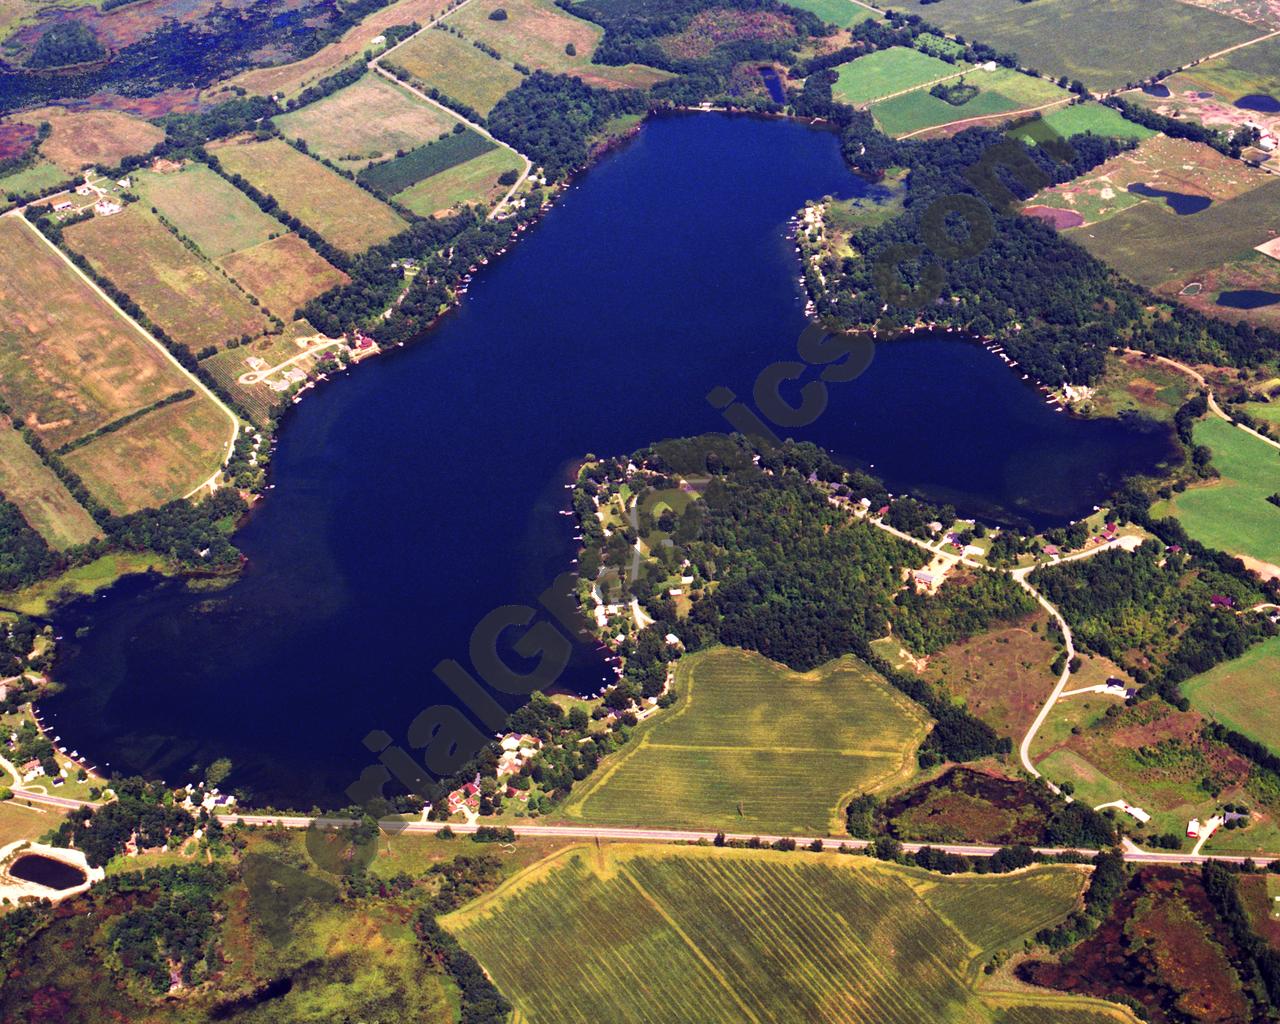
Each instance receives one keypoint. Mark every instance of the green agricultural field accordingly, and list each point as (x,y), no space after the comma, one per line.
(368,120)
(41,497)
(475,181)
(1232,513)
(392,176)
(208,209)
(1104,43)
(1254,69)
(339,210)
(39,176)
(890,71)
(753,746)
(675,934)
(1150,244)
(1242,694)
(1085,118)
(1268,412)
(999,92)
(842,13)
(181,292)
(440,60)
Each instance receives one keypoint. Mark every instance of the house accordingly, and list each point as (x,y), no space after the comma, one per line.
(62,206)
(124,182)
(1137,813)
(1051,549)
(925,579)
(883,510)
(31,770)
(471,789)
(1193,828)
(84,190)
(106,207)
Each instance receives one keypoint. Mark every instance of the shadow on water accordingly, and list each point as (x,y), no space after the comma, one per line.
(422,491)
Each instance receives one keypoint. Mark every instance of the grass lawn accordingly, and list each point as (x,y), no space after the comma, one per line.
(20,820)
(999,92)
(1233,513)
(753,746)
(475,181)
(1242,694)
(283,273)
(68,362)
(337,209)
(156,458)
(1104,43)
(181,292)
(1149,244)
(1266,411)
(648,933)
(42,498)
(843,13)
(1088,119)
(442,61)
(208,209)
(371,119)
(885,72)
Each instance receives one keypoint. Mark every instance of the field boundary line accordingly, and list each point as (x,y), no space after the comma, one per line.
(692,946)
(917,88)
(986,117)
(200,385)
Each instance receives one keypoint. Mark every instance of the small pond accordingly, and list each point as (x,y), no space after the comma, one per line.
(53,874)
(1179,202)
(1248,298)
(1156,90)
(774,84)
(1260,102)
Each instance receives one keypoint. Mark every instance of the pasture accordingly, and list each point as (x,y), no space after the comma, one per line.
(441,60)
(103,137)
(1232,513)
(1104,43)
(1242,694)
(753,746)
(69,363)
(885,72)
(842,13)
(284,274)
(475,181)
(368,120)
(40,496)
(1086,119)
(39,176)
(655,934)
(158,457)
(1149,244)
(1002,91)
(179,291)
(340,211)
(208,209)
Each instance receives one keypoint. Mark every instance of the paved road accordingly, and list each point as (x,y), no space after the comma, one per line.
(671,835)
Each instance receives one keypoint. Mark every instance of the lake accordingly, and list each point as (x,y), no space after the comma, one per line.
(422,491)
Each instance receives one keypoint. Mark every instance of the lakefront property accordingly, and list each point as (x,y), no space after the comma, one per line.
(697,510)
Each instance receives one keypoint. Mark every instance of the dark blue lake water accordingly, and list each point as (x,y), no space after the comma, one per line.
(422,491)
(1260,102)
(1181,203)
(1248,298)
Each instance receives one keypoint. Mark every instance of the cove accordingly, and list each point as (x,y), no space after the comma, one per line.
(422,491)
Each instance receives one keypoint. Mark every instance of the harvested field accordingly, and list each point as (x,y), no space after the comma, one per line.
(535,34)
(68,362)
(475,181)
(1000,92)
(103,137)
(284,274)
(208,209)
(752,745)
(369,120)
(182,293)
(41,497)
(340,211)
(156,458)
(1104,43)
(440,60)
(1159,162)
(732,935)
(884,72)
(292,78)
(1151,245)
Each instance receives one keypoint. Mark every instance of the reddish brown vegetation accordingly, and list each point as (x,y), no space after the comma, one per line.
(1058,218)
(15,139)
(712,29)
